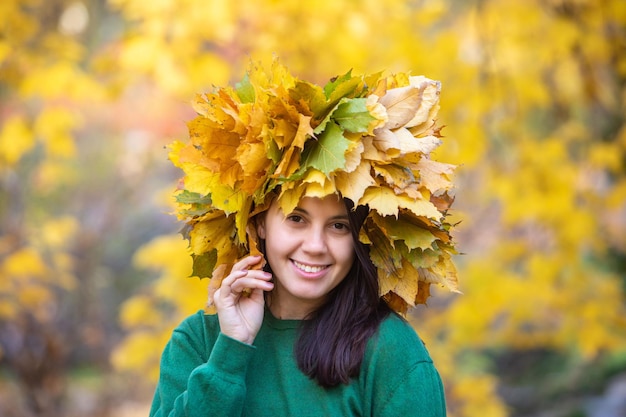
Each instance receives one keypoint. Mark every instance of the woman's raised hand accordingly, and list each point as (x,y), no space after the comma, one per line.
(239,300)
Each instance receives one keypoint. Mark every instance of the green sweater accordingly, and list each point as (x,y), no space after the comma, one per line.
(206,373)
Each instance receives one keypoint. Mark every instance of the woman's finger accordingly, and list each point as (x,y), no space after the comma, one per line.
(247,262)
(252,283)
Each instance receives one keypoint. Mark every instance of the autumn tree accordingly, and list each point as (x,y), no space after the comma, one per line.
(64,174)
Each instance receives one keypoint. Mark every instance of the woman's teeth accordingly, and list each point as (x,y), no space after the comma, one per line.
(308,268)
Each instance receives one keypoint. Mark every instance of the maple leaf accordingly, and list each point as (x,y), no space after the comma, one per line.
(204,264)
(327,153)
(403,228)
(253,161)
(320,189)
(396,175)
(429,103)
(211,109)
(422,258)
(411,144)
(200,179)
(396,303)
(304,131)
(353,115)
(374,151)
(442,273)
(289,164)
(340,86)
(290,196)
(401,104)
(387,203)
(388,142)
(380,248)
(407,286)
(353,155)
(353,185)
(387,283)
(423,292)
(434,175)
(192,155)
(253,245)
(311,94)
(245,90)
(215,232)
(225,198)
(215,282)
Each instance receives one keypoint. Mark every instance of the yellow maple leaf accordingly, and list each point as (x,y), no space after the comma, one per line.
(387,203)
(434,175)
(407,286)
(387,282)
(442,273)
(215,232)
(395,175)
(411,144)
(353,185)
(253,160)
(303,132)
(191,154)
(429,100)
(385,141)
(290,196)
(199,179)
(402,104)
(353,154)
(318,185)
(289,163)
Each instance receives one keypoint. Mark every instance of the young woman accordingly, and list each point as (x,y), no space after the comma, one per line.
(335,192)
(313,337)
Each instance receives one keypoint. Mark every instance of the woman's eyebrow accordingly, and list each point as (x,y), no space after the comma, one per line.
(337,217)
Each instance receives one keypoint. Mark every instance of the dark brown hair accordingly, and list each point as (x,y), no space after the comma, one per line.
(332,340)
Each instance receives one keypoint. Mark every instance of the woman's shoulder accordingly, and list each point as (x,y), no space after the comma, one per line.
(396,336)
(199,326)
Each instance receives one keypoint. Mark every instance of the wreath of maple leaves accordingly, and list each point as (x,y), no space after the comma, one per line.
(367,138)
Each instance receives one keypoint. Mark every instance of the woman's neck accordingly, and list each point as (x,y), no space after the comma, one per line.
(284,310)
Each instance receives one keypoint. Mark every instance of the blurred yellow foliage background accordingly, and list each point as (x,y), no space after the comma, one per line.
(93,275)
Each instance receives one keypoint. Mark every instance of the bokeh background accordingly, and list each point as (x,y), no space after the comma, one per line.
(93,272)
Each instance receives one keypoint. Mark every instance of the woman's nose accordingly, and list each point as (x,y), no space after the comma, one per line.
(314,241)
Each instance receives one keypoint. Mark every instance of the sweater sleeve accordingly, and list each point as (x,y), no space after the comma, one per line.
(200,379)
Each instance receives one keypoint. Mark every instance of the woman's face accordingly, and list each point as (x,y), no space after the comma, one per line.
(310,251)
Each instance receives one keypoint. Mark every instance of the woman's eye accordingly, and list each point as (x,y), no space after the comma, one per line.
(341,226)
(294,218)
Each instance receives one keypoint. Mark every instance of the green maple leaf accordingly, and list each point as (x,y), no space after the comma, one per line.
(245,90)
(311,94)
(413,235)
(328,152)
(331,86)
(353,116)
(204,264)
(189,197)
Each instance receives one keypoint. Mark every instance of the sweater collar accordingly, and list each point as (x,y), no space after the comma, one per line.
(277,323)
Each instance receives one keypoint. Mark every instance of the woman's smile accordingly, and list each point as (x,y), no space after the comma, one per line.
(309,269)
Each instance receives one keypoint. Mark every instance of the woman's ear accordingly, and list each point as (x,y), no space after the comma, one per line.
(260,227)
